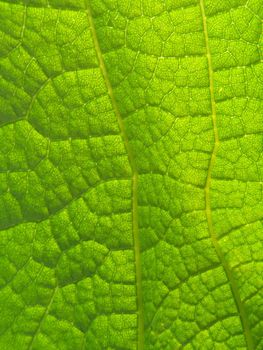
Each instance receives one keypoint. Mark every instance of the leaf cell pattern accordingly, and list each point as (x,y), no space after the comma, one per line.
(131,174)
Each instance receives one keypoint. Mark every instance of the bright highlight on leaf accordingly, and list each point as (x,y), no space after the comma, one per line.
(131,171)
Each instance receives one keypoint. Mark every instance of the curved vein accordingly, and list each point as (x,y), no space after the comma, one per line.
(228,272)
(134,178)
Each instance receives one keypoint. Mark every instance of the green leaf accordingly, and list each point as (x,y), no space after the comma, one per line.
(131,174)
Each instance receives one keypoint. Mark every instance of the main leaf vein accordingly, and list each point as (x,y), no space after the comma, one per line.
(208,209)
(134,178)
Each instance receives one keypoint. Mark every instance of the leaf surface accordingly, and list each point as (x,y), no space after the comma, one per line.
(131,174)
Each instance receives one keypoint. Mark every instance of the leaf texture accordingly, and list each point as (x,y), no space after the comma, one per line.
(131,174)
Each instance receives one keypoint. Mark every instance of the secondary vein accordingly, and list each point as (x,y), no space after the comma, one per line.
(229,275)
(134,178)
(45,314)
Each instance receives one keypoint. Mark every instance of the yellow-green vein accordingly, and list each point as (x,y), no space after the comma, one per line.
(230,277)
(45,314)
(134,178)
